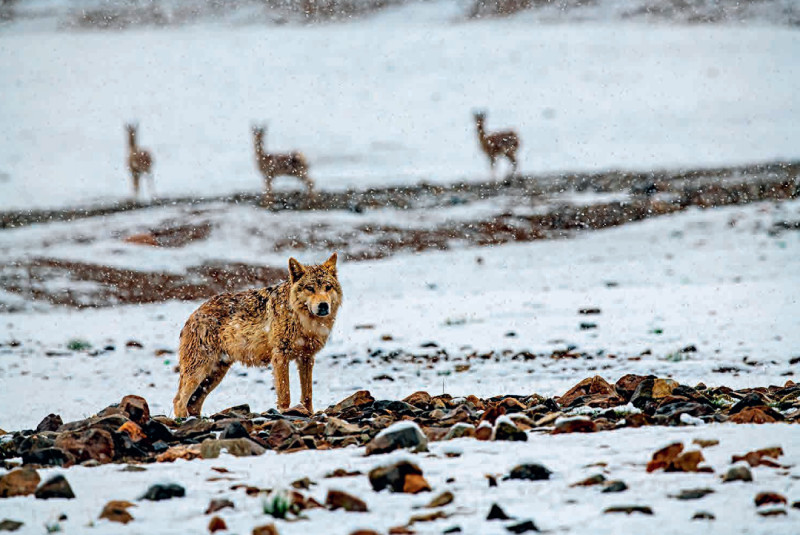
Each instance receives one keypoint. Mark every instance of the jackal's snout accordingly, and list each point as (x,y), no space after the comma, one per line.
(323,309)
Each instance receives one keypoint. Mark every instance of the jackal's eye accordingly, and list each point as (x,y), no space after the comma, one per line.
(310,288)
(328,287)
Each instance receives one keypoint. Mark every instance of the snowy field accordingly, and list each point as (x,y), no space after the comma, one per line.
(384,101)
(714,279)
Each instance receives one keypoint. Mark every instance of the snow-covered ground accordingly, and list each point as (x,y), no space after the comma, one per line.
(553,505)
(714,279)
(384,101)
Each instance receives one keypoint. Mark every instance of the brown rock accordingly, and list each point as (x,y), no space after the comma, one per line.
(94,444)
(55,487)
(362,397)
(419,399)
(763,498)
(706,443)
(19,482)
(686,462)
(180,452)
(280,434)
(590,481)
(760,457)
(268,529)
(393,476)
(575,424)
(428,517)
(136,408)
(133,431)
(590,385)
(512,405)
(337,499)
(365,532)
(627,384)
(218,505)
(755,415)
(663,457)
(51,422)
(7,524)
(445,498)
(415,483)
(484,432)
(217,524)
(117,511)
(238,447)
(335,427)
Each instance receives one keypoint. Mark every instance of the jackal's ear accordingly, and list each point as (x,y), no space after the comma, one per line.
(296,270)
(330,264)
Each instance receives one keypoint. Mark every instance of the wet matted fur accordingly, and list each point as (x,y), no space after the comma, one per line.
(273,325)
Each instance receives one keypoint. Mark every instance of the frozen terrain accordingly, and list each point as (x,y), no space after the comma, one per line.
(713,279)
(384,102)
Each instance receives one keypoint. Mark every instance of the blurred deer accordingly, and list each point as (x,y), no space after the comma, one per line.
(497,144)
(139,161)
(272,165)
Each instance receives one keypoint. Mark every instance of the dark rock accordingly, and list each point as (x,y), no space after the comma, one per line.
(192,428)
(160,446)
(49,457)
(671,413)
(218,505)
(575,424)
(358,399)
(51,422)
(392,476)
(19,482)
(334,427)
(337,499)
(590,481)
(615,486)
(136,408)
(216,524)
(628,509)
(650,391)
(496,513)
(10,525)
(37,441)
(737,473)
(97,444)
(400,435)
(110,423)
(163,492)
(156,431)
(703,515)
(750,400)
(460,430)
(772,512)
(241,412)
(505,430)
(530,471)
(454,529)
(55,487)
(235,429)
(692,494)
(522,527)
(763,498)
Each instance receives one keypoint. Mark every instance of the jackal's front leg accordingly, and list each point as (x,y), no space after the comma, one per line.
(280,371)
(305,366)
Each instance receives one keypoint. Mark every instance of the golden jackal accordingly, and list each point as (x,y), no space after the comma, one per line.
(287,321)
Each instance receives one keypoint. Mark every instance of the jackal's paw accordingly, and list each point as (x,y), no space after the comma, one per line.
(297,410)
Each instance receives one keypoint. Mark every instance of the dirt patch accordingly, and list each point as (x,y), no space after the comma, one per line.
(172,235)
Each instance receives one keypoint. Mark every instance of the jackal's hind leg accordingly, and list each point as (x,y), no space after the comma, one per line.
(203,389)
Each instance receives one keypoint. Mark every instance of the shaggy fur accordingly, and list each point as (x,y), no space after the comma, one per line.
(273,325)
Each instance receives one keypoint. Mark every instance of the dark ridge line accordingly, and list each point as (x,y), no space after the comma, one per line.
(412,196)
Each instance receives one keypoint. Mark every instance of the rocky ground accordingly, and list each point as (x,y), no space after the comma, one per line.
(424,426)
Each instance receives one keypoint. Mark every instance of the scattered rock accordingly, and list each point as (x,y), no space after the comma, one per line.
(763,498)
(737,473)
(756,415)
(136,408)
(10,525)
(133,431)
(522,527)
(415,483)
(496,513)
(590,481)
(361,397)
(460,430)
(97,444)
(334,427)
(529,471)
(760,457)
(238,447)
(629,509)
(445,498)
(217,524)
(428,517)
(772,512)
(692,494)
(703,443)
(592,386)
(404,434)
(703,515)
(117,511)
(160,492)
(218,505)
(235,429)
(615,486)
(55,487)
(268,529)
(506,430)
(574,424)
(419,399)
(337,499)
(19,482)
(393,476)
(51,422)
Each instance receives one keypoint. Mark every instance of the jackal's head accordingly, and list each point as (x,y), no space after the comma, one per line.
(315,290)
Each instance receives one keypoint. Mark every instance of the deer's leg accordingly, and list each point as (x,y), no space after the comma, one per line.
(308,182)
(135,175)
(306,366)
(513,159)
(152,178)
(268,191)
(280,371)
(492,161)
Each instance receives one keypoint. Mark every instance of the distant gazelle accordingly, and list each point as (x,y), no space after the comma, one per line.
(140,162)
(496,144)
(276,164)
